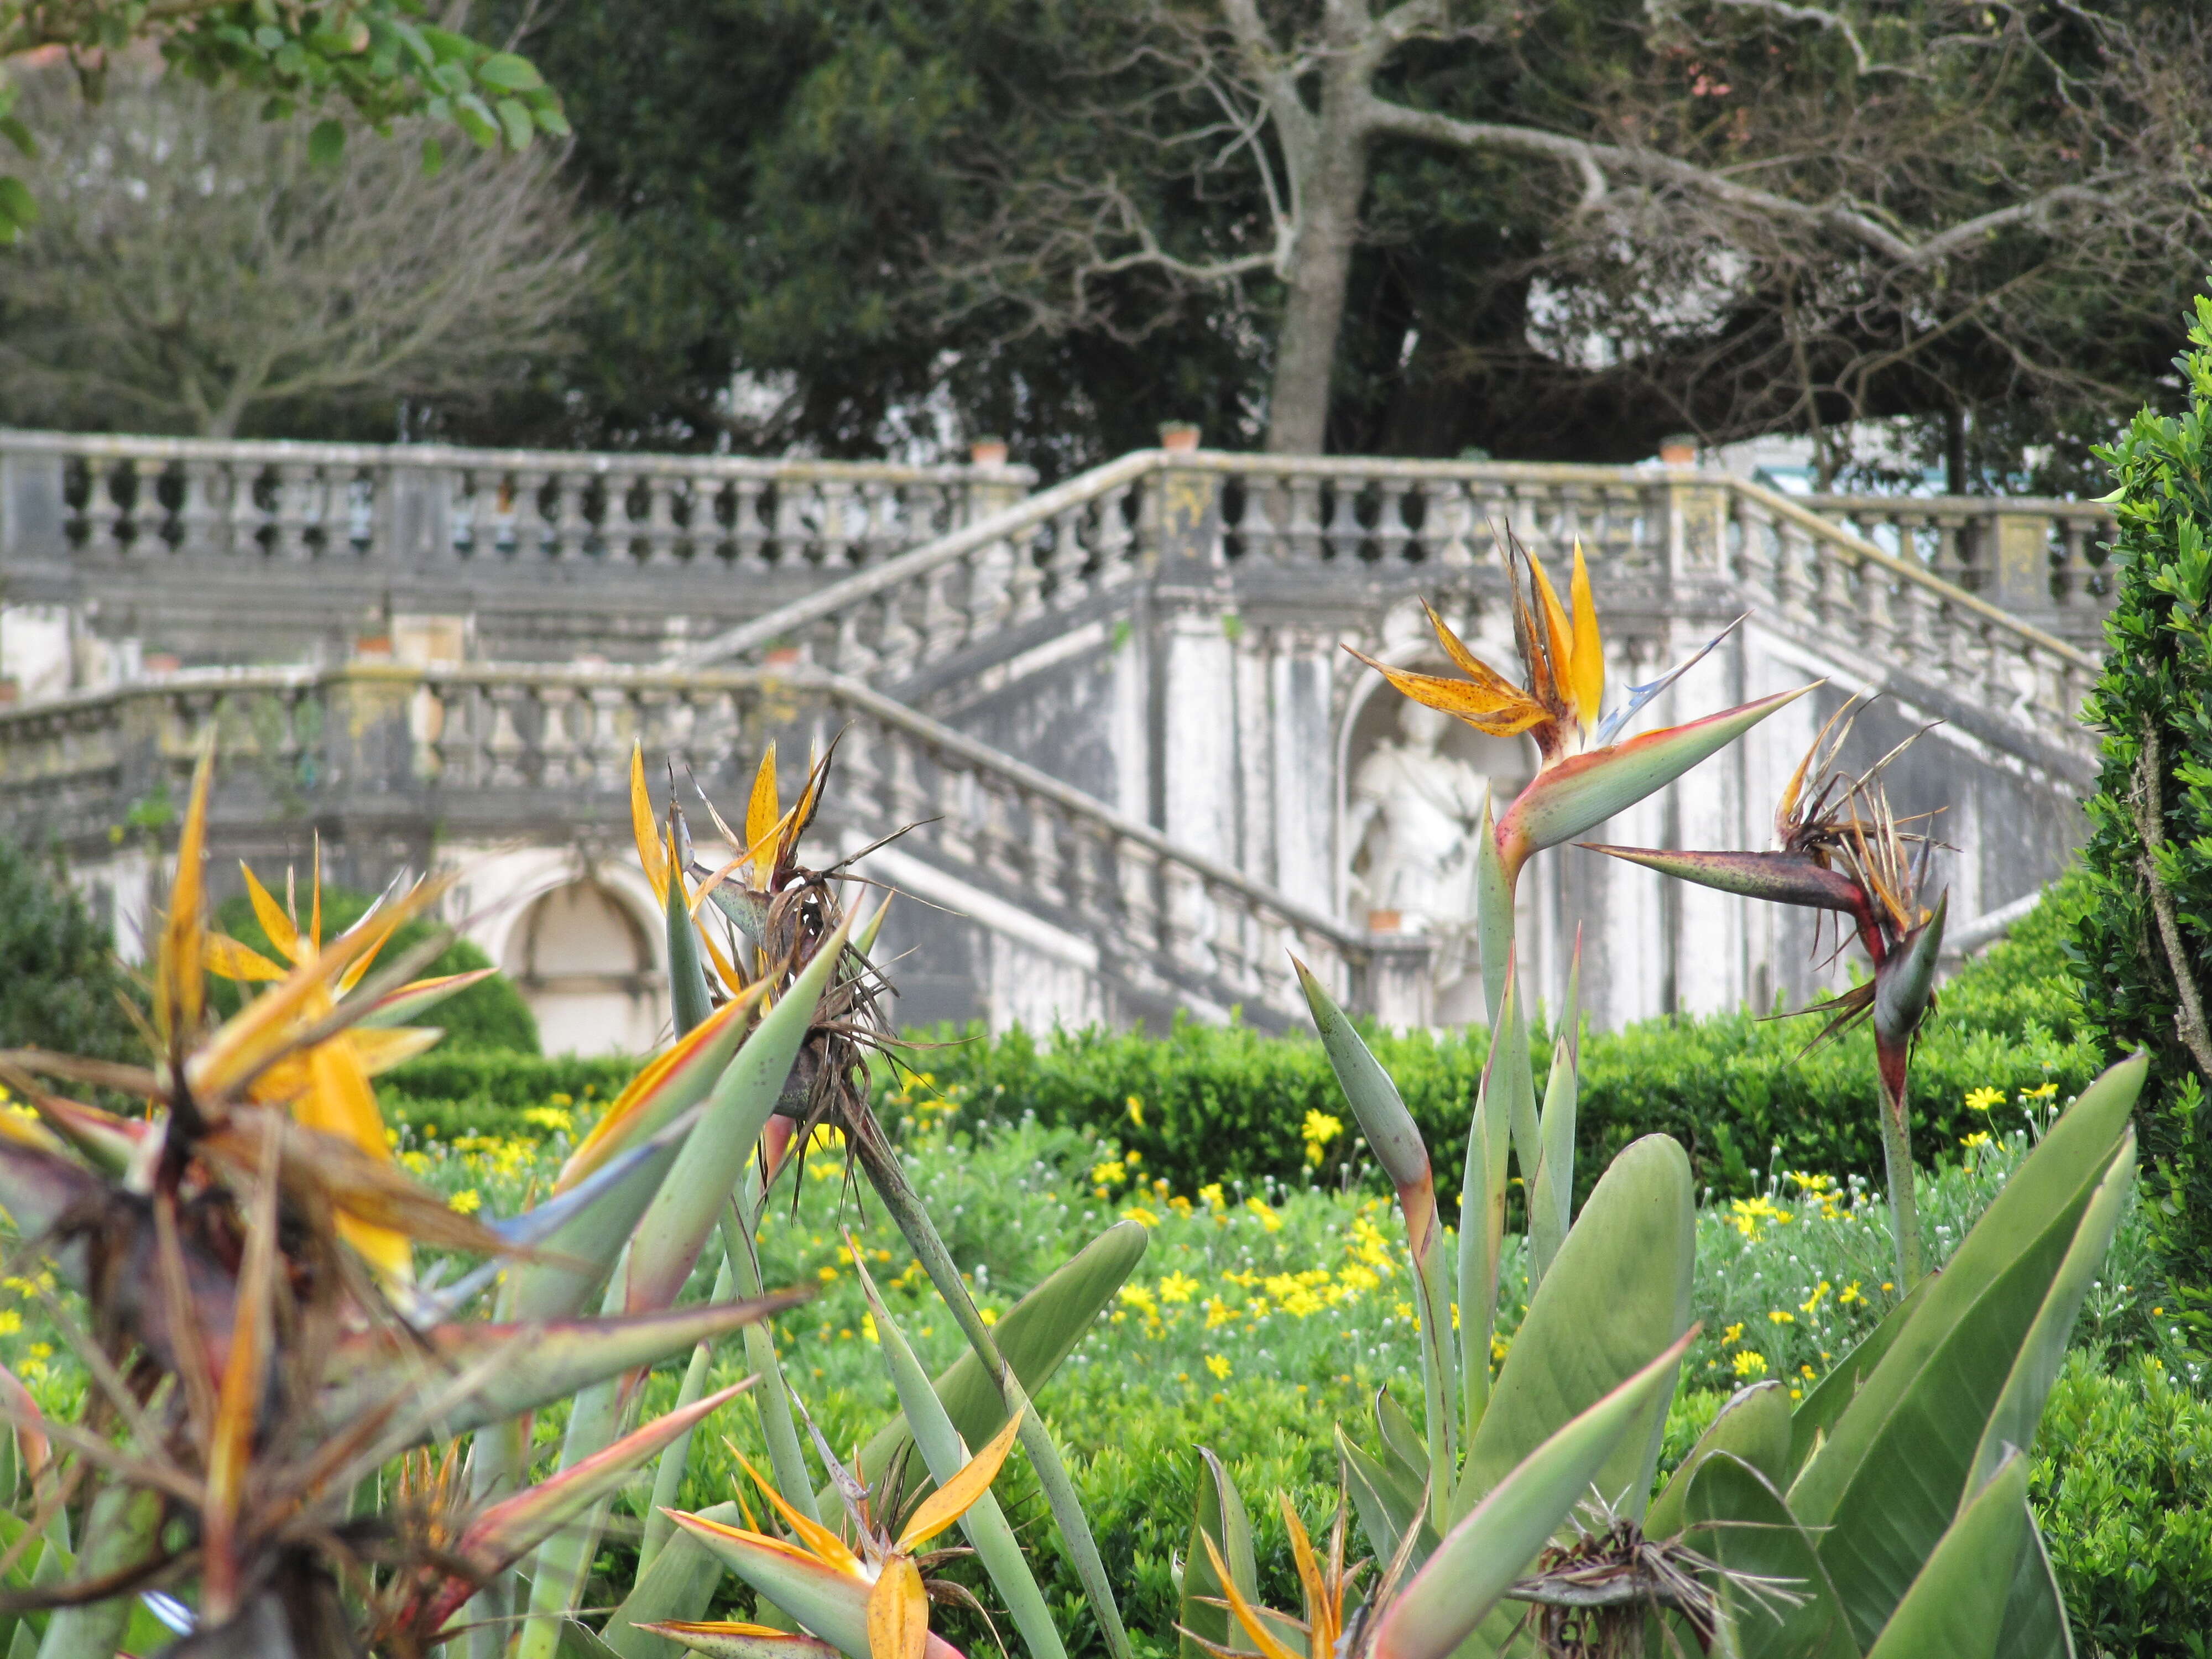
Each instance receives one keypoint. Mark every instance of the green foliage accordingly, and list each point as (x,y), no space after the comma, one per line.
(2155,704)
(61,986)
(489,1016)
(2122,1486)
(1739,1092)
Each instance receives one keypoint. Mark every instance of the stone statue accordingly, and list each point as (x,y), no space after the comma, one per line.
(1415,812)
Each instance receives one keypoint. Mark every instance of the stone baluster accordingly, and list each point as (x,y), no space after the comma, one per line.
(202,515)
(1838,576)
(1053,875)
(1304,539)
(658,534)
(103,518)
(1447,532)
(1136,873)
(748,534)
(525,506)
(793,528)
(1116,537)
(568,524)
(298,511)
(1394,536)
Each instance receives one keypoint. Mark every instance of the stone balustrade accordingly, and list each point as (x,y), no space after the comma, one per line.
(125,502)
(1315,524)
(492,751)
(2042,556)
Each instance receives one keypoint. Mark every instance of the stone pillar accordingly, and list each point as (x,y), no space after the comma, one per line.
(32,510)
(1194,709)
(993,486)
(369,737)
(1304,736)
(1397,987)
(414,524)
(2021,561)
(1697,525)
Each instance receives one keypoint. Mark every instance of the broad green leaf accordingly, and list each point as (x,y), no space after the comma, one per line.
(474,117)
(1482,1237)
(1987,1379)
(326,144)
(2035,1622)
(1220,1516)
(1395,1140)
(575,1258)
(689,1003)
(1618,1293)
(1575,796)
(538,1363)
(984,1523)
(2036,1214)
(2013,1422)
(1736,1518)
(509,72)
(1034,1336)
(1391,1133)
(1483,1555)
(16,202)
(1956,1606)
(1753,1426)
(1551,1189)
(1817,1412)
(119,1532)
(1404,1452)
(514,122)
(714,1155)
(1385,1504)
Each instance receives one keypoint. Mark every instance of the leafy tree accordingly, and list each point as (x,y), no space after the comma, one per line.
(62,988)
(378,55)
(1064,223)
(2144,942)
(200,269)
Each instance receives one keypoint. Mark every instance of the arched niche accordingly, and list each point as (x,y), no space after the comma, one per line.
(586,963)
(1375,717)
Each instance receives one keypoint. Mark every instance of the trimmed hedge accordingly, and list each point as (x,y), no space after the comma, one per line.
(1205,1103)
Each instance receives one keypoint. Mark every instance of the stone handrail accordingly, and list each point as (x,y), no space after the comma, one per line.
(492,750)
(2031,553)
(106,501)
(1016,563)
(1310,517)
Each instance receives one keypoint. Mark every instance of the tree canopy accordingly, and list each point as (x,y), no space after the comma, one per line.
(1579,227)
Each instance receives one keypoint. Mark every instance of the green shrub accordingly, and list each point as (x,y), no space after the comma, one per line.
(1209,1102)
(488,1015)
(61,986)
(2154,703)
(2123,1485)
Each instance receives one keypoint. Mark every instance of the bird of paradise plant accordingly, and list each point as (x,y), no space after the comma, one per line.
(1325,1583)
(1839,848)
(327,1085)
(251,1365)
(869,1603)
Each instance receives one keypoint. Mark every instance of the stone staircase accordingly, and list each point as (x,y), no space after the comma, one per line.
(1115,712)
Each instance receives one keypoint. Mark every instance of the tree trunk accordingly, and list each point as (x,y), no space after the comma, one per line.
(1320,272)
